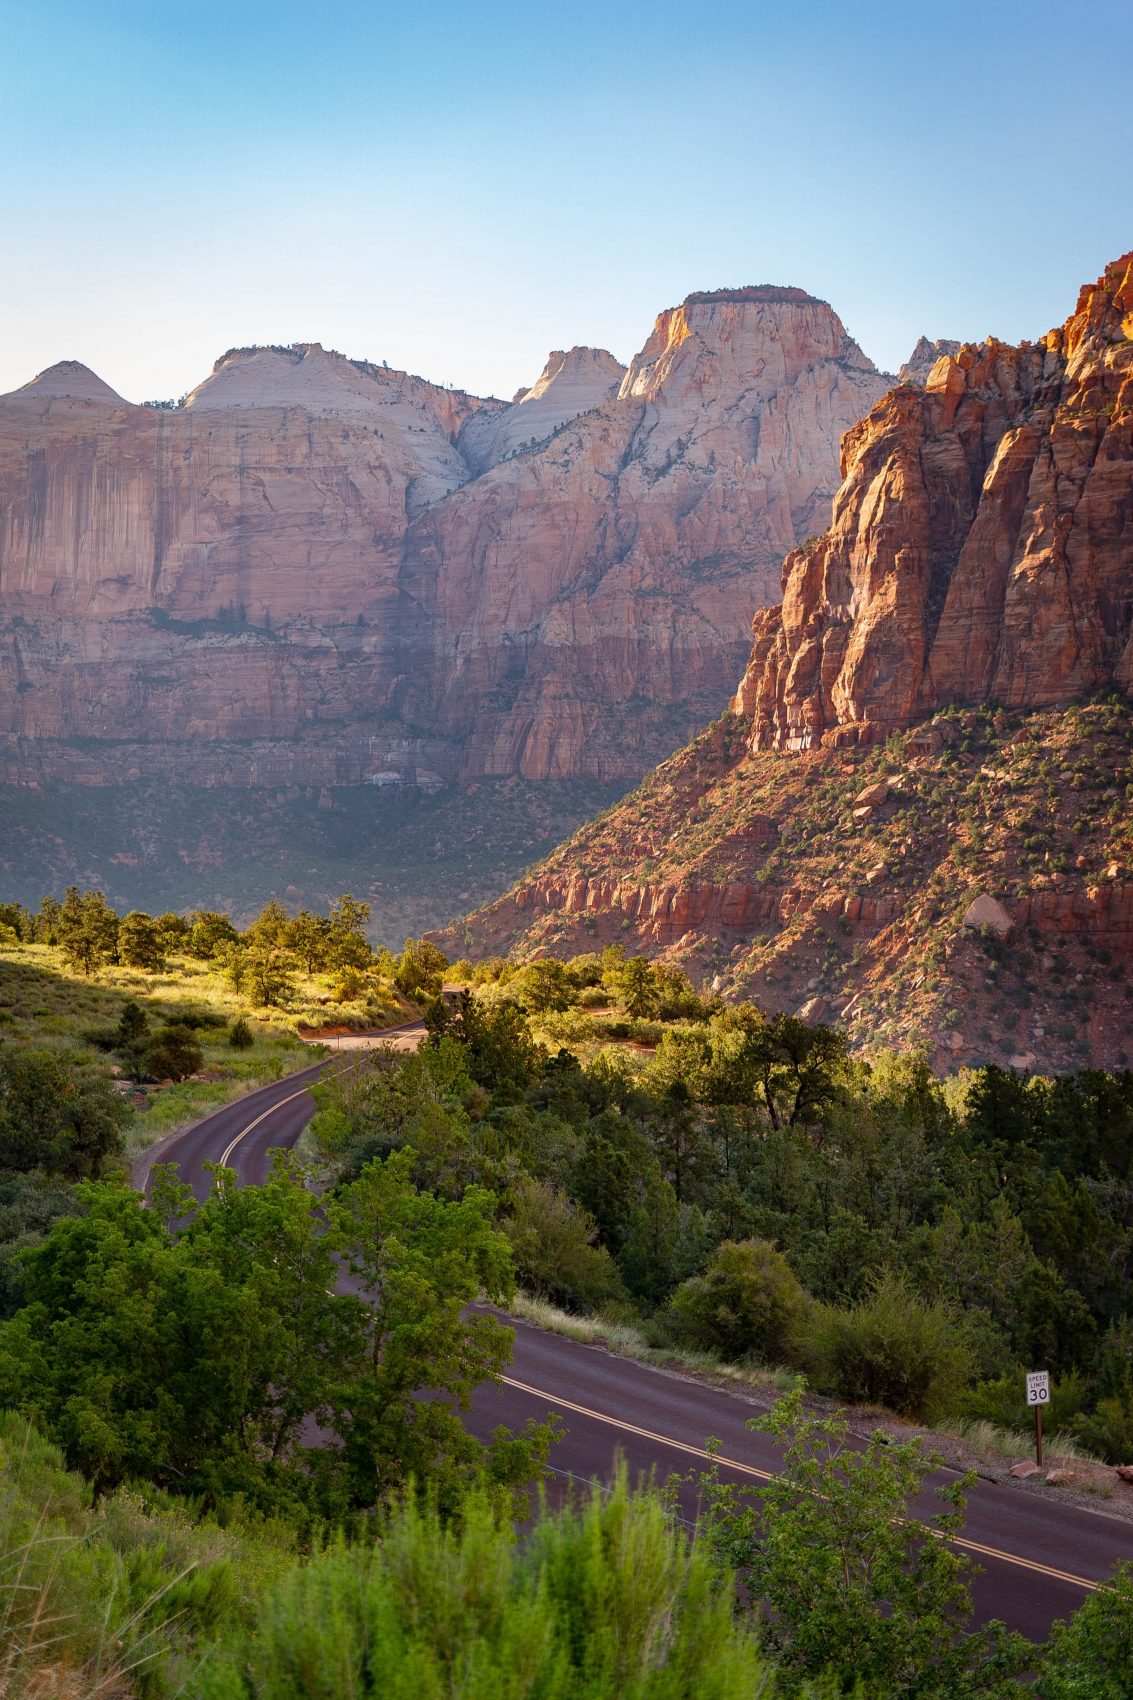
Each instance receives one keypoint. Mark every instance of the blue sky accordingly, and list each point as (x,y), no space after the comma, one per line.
(456,188)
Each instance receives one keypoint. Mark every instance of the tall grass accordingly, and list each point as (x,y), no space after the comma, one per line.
(604,1601)
(107,1600)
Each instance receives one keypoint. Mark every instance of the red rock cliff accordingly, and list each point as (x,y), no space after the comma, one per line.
(317,569)
(981,548)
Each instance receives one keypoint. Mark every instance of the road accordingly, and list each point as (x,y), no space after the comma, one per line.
(1040,1557)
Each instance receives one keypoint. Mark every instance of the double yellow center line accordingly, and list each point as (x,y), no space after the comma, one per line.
(558,1403)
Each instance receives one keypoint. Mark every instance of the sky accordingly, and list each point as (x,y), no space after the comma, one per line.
(459,188)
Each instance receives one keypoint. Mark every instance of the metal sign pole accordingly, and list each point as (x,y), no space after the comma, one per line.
(1039,1436)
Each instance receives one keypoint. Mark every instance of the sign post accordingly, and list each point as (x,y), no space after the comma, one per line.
(1038,1395)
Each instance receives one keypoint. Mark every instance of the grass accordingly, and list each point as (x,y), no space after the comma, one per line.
(626,1341)
(43,1002)
(998,1446)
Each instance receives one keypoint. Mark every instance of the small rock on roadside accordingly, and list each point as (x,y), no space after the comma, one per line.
(1026,1471)
(1061,1478)
(1125,1471)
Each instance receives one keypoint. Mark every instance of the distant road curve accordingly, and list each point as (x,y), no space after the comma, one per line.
(1041,1557)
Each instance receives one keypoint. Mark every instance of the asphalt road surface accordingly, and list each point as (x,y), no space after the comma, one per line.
(1040,1557)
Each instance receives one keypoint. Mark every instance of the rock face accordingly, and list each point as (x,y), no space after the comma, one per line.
(980,547)
(923,358)
(319,571)
(917,811)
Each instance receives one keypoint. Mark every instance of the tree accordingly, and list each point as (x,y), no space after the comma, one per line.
(52,1118)
(792,1067)
(47,921)
(637,988)
(87,929)
(173,1054)
(308,937)
(420,970)
(553,1243)
(891,1348)
(141,942)
(196,1346)
(270,926)
(855,1584)
(211,934)
(747,1300)
(545,986)
(1091,1656)
(262,969)
(347,945)
(421,1261)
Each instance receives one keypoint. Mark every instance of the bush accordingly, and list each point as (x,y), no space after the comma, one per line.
(892,1348)
(609,1601)
(174,1054)
(240,1035)
(552,1242)
(747,1300)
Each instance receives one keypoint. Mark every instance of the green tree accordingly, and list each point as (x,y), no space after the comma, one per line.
(545,985)
(347,945)
(553,1243)
(87,929)
(173,1053)
(211,934)
(747,1300)
(855,1583)
(141,942)
(420,970)
(53,1118)
(1091,1656)
(636,987)
(891,1348)
(308,937)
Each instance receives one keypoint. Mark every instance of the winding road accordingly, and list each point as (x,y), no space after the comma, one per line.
(1041,1557)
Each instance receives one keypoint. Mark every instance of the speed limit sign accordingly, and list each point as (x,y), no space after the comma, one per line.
(1038,1387)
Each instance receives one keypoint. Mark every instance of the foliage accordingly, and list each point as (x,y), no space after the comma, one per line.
(854,1583)
(195,1346)
(747,1300)
(608,1601)
(1090,1657)
(553,1244)
(87,928)
(891,1348)
(53,1121)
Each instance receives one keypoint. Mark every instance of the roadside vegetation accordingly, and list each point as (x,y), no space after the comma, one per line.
(218,1479)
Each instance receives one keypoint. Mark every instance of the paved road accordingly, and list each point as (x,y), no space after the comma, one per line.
(1040,1557)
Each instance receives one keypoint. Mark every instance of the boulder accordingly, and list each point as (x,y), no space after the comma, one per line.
(873,795)
(985,911)
(1026,1471)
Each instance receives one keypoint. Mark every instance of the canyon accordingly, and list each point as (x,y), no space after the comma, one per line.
(933,728)
(315,576)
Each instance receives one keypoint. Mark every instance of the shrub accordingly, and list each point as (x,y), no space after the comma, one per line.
(747,1300)
(174,1054)
(240,1035)
(552,1242)
(609,1601)
(892,1348)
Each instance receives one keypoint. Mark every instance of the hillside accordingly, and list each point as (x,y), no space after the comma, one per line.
(959,639)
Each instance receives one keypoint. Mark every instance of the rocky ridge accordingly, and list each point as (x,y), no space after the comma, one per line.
(933,729)
(331,573)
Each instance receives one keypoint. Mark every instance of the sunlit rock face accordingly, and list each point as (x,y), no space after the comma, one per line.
(981,548)
(316,570)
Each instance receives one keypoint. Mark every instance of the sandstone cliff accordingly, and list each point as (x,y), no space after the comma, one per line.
(980,546)
(319,571)
(922,737)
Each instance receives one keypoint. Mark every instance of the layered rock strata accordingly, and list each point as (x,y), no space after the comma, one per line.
(981,548)
(331,572)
